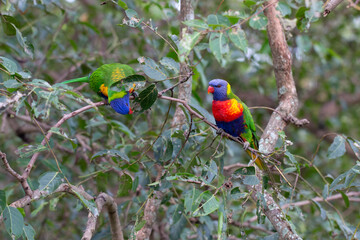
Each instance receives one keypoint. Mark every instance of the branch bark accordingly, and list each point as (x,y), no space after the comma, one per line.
(288,105)
(186,13)
(104,200)
(330,5)
(49,134)
(150,215)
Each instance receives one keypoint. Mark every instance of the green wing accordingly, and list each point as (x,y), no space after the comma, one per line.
(109,74)
(250,132)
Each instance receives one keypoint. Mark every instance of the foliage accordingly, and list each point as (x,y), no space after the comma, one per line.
(43,43)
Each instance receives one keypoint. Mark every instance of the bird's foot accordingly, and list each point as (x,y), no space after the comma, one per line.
(220,131)
(246,145)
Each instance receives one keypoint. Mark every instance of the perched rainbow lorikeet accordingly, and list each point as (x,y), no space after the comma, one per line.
(102,79)
(234,117)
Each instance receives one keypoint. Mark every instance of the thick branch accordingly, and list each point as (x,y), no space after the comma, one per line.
(21,179)
(288,104)
(186,13)
(150,215)
(104,200)
(331,5)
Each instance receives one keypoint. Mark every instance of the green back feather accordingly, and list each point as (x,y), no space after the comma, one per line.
(250,132)
(108,74)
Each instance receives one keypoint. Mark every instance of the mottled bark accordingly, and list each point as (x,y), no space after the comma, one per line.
(330,5)
(150,215)
(288,105)
(186,13)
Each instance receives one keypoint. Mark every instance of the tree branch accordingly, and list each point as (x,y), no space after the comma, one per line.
(104,200)
(288,104)
(150,215)
(330,5)
(49,134)
(186,13)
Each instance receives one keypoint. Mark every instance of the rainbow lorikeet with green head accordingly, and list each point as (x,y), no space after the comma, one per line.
(234,117)
(103,78)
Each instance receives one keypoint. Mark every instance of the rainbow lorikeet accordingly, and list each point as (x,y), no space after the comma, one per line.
(103,78)
(234,117)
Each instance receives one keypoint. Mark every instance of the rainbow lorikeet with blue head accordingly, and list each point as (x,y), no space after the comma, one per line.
(234,117)
(103,78)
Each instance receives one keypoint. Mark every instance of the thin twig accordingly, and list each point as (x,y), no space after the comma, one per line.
(57,125)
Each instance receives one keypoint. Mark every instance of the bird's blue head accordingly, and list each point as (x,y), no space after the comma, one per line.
(220,89)
(122,104)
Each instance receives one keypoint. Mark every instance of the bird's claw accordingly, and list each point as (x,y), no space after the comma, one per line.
(246,145)
(220,131)
(134,94)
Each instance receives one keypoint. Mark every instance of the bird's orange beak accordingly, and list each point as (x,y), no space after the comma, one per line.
(210,89)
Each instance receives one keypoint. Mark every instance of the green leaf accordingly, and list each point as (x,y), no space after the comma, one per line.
(337,148)
(61,133)
(211,171)
(325,192)
(178,220)
(139,225)
(131,82)
(236,193)
(190,198)
(314,12)
(258,22)
(170,64)
(163,149)
(9,65)
(345,198)
(28,150)
(323,213)
(88,204)
(220,223)
(153,70)
(122,127)
(245,171)
(249,3)
(2,200)
(125,184)
(38,208)
(28,232)
(355,146)
(148,97)
(9,24)
(251,180)
(122,4)
(210,203)
(25,43)
(12,84)
(218,45)
(14,221)
(134,20)
(284,9)
(112,153)
(187,43)
(215,21)
(238,37)
(196,23)
(50,181)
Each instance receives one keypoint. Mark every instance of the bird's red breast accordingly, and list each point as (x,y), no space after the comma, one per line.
(227,111)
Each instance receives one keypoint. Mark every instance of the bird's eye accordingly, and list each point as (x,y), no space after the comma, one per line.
(218,85)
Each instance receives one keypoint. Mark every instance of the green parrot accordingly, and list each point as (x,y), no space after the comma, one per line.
(102,79)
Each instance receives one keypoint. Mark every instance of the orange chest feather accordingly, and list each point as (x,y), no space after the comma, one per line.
(226,111)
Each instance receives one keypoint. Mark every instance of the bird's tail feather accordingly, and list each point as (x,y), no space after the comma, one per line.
(262,165)
(81,79)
